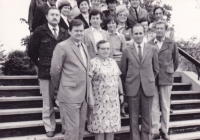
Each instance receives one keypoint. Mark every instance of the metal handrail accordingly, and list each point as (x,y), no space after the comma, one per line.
(191,59)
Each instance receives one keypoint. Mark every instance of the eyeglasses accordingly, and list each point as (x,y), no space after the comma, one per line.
(103,49)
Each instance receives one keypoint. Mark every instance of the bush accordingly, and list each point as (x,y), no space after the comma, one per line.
(18,63)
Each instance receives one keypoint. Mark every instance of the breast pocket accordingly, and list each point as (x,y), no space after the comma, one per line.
(46,45)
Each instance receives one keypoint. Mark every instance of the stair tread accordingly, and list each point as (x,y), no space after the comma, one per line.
(181,84)
(173,102)
(23,124)
(28,98)
(185,136)
(19,77)
(184,92)
(18,87)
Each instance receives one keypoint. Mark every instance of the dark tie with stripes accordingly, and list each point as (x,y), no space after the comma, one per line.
(140,53)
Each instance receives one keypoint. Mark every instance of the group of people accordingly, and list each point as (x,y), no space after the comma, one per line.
(97,61)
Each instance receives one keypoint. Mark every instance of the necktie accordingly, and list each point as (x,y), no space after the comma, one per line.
(136,13)
(55,34)
(82,54)
(140,53)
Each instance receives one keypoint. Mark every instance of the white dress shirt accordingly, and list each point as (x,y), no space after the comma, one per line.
(82,52)
(141,45)
(65,19)
(159,43)
(51,28)
(97,35)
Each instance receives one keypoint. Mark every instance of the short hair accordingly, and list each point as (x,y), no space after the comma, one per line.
(138,25)
(63,3)
(95,12)
(121,8)
(111,1)
(158,7)
(161,22)
(80,1)
(109,19)
(101,42)
(51,8)
(144,20)
(75,22)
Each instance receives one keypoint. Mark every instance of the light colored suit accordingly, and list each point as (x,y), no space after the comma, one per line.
(70,77)
(139,83)
(90,41)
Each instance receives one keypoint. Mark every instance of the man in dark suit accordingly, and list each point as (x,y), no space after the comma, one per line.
(40,14)
(42,45)
(136,13)
(32,8)
(168,62)
(70,75)
(139,67)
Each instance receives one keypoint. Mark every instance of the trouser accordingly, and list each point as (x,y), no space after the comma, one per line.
(73,118)
(136,105)
(48,114)
(162,96)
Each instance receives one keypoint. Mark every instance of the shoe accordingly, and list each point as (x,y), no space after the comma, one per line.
(56,103)
(165,136)
(155,136)
(171,111)
(123,114)
(50,134)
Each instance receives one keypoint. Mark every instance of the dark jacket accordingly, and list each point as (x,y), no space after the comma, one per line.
(63,24)
(168,61)
(86,25)
(32,8)
(42,45)
(40,16)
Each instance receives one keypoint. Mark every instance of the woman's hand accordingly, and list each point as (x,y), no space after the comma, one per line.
(121,98)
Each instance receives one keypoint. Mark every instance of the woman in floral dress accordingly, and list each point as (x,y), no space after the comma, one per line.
(105,118)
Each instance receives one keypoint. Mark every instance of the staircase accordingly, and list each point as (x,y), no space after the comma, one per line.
(21,110)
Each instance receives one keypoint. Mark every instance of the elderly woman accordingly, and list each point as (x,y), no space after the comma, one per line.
(105,118)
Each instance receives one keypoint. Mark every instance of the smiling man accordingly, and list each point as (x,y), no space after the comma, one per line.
(41,48)
(139,67)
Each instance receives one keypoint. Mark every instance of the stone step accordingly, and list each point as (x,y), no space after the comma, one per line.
(185,95)
(18,80)
(177,79)
(181,86)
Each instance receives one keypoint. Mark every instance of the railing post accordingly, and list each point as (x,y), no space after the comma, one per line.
(198,71)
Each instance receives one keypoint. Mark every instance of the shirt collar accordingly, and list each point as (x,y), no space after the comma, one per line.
(85,15)
(95,30)
(64,17)
(162,40)
(141,44)
(51,27)
(116,32)
(48,4)
(138,8)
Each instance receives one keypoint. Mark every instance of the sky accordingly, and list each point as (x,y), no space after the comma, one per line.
(185,17)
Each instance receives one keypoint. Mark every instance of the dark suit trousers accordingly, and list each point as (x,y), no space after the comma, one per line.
(73,118)
(140,104)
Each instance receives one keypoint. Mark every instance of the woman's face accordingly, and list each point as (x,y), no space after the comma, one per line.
(65,10)
(112,25)
(95,4)
(84,7)
(104,50)
(122,17)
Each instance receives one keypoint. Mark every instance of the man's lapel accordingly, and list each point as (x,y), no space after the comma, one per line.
(48,31)
(133,50)
(145,52)
(91,36)
(165,45)
(76,51)
(134,14)
(61,33)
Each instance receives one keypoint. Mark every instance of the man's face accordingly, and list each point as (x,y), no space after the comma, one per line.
(96,21)
(135,3)
(112,6)
(160,30)
(52,2)
(53,17)
(65,10)
(145,24)
(158,14)
(84,7)
(77,33)
(95,4)
(138,34)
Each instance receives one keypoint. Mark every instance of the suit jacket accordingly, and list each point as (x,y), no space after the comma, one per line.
(132,18)
(90,42)
(40,16)
(69,74)
(63,24)
(134,73)
(33,5)
(42,45)
(86,25)
(168,61)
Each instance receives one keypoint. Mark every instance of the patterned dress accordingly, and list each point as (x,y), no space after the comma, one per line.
(105,116)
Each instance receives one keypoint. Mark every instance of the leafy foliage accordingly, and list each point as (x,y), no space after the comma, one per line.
(18,63)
